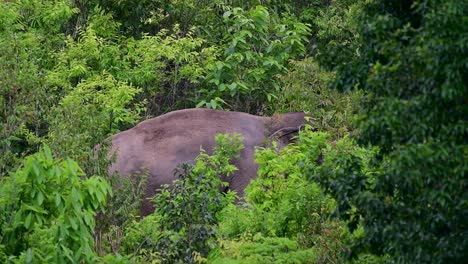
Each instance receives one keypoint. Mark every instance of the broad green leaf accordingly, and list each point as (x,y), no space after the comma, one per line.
(29,255)
(27,220)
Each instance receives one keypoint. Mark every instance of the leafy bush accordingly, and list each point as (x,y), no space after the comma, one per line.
(138,236)
(120,213)
(263,250)
(28,38)
(335,30)
(257,47)
(347,170)
(281,202)
(305,88)
(283,193)
(47,211)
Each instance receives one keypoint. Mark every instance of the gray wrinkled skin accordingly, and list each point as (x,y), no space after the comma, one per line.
(159,144)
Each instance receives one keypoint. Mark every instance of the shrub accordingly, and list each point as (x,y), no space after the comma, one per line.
(282,203)
(121,211)
(305,88)
(263,250)
(47,210)
(257,48)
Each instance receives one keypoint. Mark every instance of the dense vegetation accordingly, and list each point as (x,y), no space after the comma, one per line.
(380,177)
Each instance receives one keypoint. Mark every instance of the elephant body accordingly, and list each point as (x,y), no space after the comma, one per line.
(160,144)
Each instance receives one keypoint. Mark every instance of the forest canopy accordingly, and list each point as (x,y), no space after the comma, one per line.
(379,176)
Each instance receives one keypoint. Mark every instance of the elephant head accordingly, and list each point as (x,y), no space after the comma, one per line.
(286,127)
(160,144)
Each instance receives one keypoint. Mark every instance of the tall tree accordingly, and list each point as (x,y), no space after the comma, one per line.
(412,59)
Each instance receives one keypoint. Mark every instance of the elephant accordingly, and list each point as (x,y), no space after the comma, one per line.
(160,144)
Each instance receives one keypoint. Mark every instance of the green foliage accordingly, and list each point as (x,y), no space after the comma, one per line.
(47,210)
(336,34)
(264,250)
(169,68)
(92,103)
(117,221)
(114,259)
(139,235)
(305,88)
(346,171)
(281,202)
(26,43)
(161,65)
(412,60)
(87,114)
(257,47)
(138,17)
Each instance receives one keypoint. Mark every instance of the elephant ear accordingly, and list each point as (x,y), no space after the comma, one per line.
(285,135)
